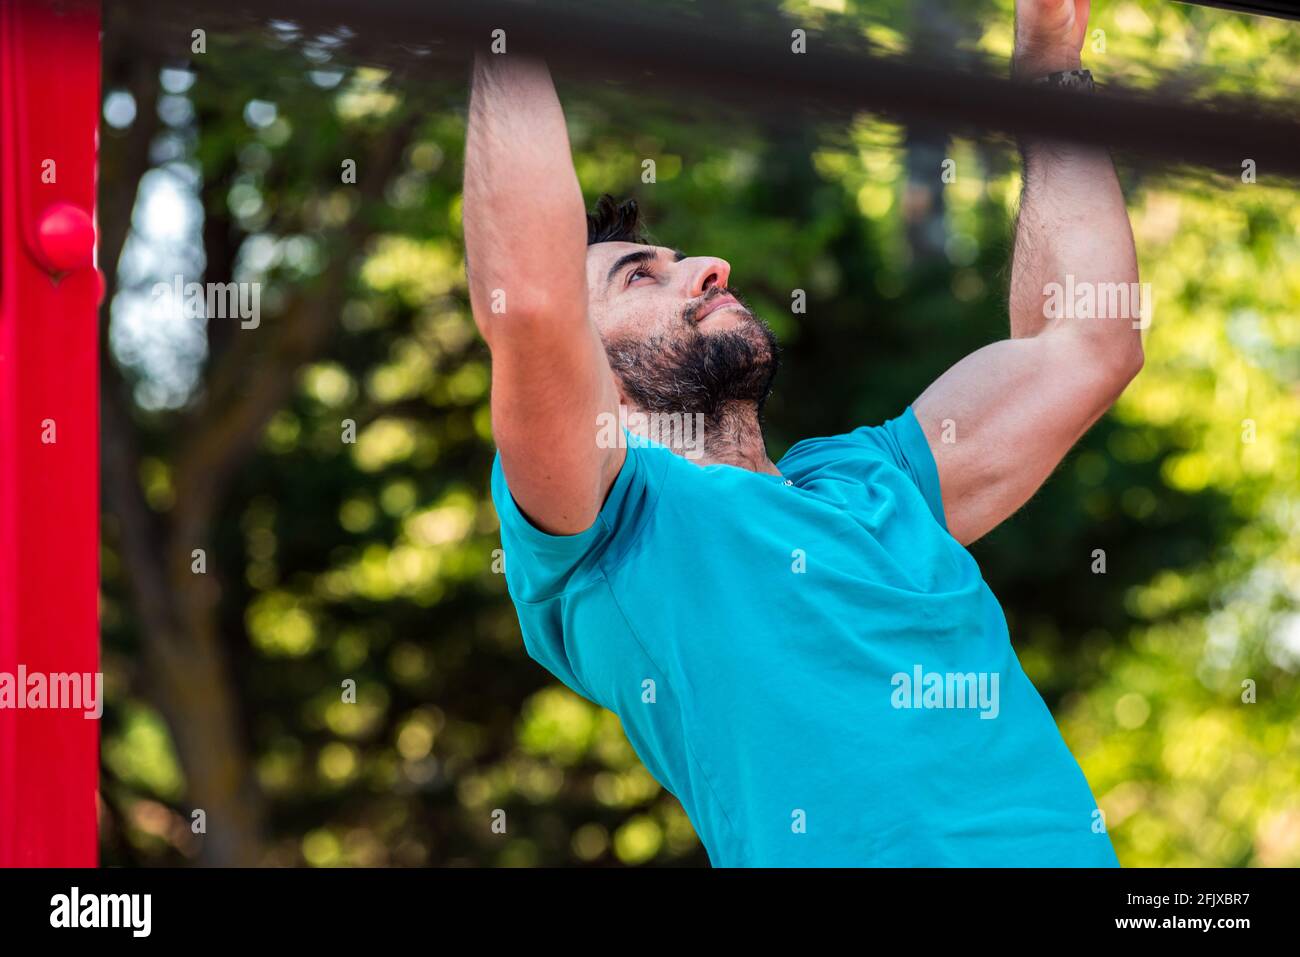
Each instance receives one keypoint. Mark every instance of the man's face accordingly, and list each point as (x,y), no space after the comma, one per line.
(677,338)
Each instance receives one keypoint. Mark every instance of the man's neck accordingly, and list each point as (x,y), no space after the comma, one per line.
(732,437)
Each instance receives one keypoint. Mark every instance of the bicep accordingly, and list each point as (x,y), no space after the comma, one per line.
(1000,421)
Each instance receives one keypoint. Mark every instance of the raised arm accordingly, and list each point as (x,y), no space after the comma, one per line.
(525,246)
(1002,419)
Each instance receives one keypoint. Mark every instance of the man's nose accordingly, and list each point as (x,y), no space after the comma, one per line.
(707,272)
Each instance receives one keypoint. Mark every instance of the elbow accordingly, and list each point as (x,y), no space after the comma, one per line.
(1113,361)
(535,316)
(1139,359)
(1133,361)
(1123,365)
(534,308)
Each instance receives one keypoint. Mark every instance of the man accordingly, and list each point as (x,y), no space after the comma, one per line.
(804,653)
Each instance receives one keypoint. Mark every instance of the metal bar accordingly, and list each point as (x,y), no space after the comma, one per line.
(1283,9)
(711,53)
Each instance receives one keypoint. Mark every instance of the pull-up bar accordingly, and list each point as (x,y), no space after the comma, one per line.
(1262,8)
(754,66)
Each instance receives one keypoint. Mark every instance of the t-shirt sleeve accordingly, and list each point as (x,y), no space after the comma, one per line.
(542,570)
(548,565)
(899,442)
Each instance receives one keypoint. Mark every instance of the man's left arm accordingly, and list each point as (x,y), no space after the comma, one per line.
(1000,420)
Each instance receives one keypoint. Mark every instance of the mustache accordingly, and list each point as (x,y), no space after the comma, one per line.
(692,310)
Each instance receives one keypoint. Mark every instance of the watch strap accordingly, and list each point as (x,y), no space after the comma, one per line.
(1068,80)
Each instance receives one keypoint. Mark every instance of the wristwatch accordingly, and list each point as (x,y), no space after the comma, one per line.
(1068,80)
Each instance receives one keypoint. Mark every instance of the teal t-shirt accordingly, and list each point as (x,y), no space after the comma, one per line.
(811,664)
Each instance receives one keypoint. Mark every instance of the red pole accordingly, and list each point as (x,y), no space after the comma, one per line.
(49,432)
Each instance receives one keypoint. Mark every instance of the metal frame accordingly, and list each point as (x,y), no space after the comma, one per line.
(49,375)
(49,289)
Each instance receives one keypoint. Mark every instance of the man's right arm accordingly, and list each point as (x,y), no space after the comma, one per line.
(526,248)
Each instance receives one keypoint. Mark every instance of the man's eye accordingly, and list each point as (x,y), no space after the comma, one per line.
(637,272)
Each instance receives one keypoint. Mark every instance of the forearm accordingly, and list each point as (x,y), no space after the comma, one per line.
(1072,223)
(1073,231)
(525,225)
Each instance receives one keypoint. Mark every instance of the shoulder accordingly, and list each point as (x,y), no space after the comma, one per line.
(893,441)
(896,448)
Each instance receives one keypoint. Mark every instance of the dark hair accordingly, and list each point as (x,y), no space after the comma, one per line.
(615,222)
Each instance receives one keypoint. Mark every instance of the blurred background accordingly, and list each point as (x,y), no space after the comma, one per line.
(255,562)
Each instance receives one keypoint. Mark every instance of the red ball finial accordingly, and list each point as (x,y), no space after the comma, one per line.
(65,238)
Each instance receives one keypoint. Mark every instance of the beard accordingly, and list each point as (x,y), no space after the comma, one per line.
(694,372)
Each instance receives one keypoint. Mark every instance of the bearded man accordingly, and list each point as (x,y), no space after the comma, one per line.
(803,652)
